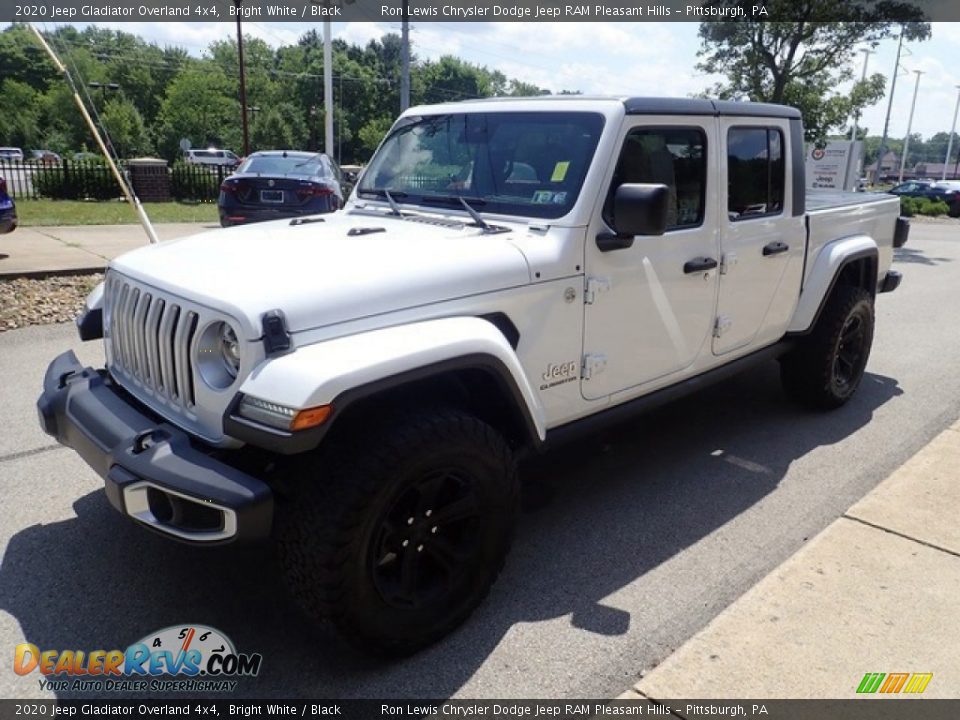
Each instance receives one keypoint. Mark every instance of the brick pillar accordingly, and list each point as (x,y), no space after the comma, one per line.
(150,178)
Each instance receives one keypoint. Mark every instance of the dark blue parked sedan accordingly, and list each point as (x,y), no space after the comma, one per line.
(8,211)
(278,184)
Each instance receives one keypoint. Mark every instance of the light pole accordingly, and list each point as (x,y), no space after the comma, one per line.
(243,83)
(953,127)
(867,52)
(327,90)
(886,122)
(113,87)
(906,140)
(404,60)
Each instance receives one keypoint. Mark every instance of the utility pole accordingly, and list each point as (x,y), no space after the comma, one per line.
(886,122)
(856,116)
(404,60)
(243,82)
(906,140)
(953,127)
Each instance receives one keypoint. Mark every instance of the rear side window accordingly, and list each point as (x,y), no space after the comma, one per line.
(756,172)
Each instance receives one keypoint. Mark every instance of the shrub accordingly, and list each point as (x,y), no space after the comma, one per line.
(909,206)
(76,181)
(933,208)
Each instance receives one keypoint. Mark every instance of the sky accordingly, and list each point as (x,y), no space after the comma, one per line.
(625,58)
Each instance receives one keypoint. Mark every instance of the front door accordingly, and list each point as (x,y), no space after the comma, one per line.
(649,308)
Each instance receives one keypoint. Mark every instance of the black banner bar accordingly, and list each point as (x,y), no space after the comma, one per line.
(469,10)
(873,708)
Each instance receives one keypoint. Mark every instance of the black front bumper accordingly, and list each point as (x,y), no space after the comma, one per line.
(152,471)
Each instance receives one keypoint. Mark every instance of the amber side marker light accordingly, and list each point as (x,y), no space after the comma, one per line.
(311,417)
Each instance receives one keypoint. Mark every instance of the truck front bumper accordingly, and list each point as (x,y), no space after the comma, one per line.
(152,471)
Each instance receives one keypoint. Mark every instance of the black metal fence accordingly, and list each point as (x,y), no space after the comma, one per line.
(197,183)
(93,180)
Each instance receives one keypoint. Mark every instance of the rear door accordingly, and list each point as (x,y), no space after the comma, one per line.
(762,240)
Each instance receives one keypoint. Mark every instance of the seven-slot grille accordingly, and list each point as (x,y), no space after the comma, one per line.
(151,337)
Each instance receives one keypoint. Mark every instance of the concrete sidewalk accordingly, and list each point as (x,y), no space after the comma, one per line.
(76,248)
(878,591)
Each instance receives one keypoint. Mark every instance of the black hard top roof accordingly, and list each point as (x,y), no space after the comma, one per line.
(698,106)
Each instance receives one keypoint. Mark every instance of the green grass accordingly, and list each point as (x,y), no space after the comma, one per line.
(109,212)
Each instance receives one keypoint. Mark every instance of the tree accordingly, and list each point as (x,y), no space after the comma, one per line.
(803,61)
(278,128)
(19,114)
(125,128)
(198,106)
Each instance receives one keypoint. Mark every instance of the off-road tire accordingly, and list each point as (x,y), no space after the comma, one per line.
(340,539)
(826,368)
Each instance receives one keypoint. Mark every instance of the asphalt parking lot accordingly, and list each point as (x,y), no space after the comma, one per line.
(632,541)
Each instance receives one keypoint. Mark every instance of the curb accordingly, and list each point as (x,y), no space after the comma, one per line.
(868,590)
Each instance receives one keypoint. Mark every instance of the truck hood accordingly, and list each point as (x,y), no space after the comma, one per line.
(319,274)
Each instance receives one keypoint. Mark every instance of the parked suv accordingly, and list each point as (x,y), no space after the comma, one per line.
(211,156)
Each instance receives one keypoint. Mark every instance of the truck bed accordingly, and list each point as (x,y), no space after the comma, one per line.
(833,215)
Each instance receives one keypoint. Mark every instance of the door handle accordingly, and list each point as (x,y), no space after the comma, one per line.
(699,265)
(775,248)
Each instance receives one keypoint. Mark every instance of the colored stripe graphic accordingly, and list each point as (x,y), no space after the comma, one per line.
(918,683)
(914,683)
(870,682)
(894,682)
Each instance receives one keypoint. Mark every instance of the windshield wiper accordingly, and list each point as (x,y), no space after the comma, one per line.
(309,160)
(478,221)
(393,203)
(390,195)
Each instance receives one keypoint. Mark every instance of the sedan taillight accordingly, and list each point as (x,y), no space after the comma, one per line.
(228,187)
(3,185)
(313,191)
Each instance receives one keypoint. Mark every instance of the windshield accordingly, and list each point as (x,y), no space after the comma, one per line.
(516,163)
(279,165)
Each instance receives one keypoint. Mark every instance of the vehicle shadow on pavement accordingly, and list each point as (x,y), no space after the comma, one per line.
(602,512)
(917,257)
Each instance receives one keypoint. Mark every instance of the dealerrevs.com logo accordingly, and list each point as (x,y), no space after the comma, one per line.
(187,658)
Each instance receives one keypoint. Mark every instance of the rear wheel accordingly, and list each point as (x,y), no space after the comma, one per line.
(826,368)
(405,532)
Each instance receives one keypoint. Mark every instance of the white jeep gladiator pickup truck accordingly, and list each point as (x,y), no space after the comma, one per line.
(358,386)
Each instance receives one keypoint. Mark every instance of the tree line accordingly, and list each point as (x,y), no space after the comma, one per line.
(148,98)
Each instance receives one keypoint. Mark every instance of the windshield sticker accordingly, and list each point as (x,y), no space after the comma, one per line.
(542,197)
(560,171)
(559,198)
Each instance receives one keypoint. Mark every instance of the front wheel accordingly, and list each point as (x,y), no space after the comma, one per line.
(826,368)
(405,531)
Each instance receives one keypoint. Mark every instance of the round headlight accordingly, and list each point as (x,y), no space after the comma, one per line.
(229,349)
(218,355)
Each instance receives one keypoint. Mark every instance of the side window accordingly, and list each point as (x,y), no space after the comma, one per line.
(756,172)
(672,156)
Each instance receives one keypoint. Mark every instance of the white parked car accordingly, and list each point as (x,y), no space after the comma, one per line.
(211,156)
(11,154)
(358,385)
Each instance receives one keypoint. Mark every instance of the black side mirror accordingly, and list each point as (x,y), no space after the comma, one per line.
(638,209)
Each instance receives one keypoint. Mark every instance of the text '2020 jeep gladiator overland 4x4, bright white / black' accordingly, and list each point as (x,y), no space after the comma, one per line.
(358,385)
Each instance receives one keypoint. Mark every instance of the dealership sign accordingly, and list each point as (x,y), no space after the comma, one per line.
(835,166)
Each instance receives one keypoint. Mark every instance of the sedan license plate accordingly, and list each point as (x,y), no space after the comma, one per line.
(271,196)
